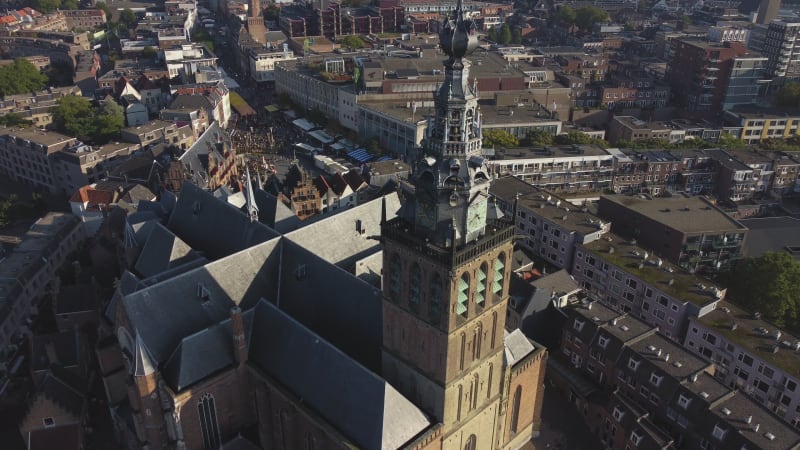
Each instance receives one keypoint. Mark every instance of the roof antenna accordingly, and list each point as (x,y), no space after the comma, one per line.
(383,210)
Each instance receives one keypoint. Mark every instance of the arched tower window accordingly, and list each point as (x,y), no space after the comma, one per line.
(515,409)
(480,293)
(414,288)
(435,300)
(472,442)
(460,398)
(489,383)
(395,272)
(209,426)
(474,392)
(463,295)
(499,272)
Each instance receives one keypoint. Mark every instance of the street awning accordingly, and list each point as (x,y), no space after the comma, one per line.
(272,108)
(321,136)
(241,106)
(304,124)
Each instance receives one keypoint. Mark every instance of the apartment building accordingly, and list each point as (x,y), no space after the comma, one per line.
(150,133)
(786,180)
(261,63)
(753,124)
(559,169)
(651,172)
(699,176)
(700,72)
(781,49)
(29,271)
(79,164)
(648,392)
(188,59)
(85,19)
(631,279)
(751,355)
(690,232)
(735,180)
(629,128)
(25,156)
(552,226)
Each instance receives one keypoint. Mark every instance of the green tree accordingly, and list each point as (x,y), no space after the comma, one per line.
(767,284)
(105,8)
(45,6)
(317,116)
(109,119)
(505,34)
(149,52)
(15,120)
(576,137)
(537,138)
(20,77)
(731,142)
(492,35)
(73,115)
(516,36)
(565,15)
(788,95)
(587,16)
(352,41)
(499,138)
(272,12)
(69,5)
(128,18)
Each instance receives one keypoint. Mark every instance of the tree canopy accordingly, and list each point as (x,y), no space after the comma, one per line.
(504,37)
(352,41)
(15,120)
(19,77)
(77,117)
(587,16)
(499,138)
(788,95)
(768,284)
(128,18)
(565,15)
(105,8)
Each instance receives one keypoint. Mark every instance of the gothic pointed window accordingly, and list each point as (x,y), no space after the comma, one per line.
(435,299)
(414,288)
(395,273)
(463,295)
(471,443)
(515,409)
(480,293)
(209,427)
(499,272)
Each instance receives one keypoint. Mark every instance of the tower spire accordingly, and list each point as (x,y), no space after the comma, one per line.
(252,209)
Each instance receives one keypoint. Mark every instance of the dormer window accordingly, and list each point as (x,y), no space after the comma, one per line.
(655,379)
(618,413)
(719,432)
(636,437)
(633,364)
(578,325)
(603,341)
(683,401)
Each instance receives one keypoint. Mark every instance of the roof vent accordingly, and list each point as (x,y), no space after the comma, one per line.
(624,328)
(726,411)
(769,436)
(677,364)
(748,419)
(704,394)
(694,377)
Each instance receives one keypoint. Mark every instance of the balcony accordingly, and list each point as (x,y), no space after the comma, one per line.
(497,232)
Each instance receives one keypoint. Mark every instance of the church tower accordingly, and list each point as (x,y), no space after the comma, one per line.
(446,265)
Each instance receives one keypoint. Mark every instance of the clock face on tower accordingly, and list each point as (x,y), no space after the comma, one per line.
(426,215)
(476,215)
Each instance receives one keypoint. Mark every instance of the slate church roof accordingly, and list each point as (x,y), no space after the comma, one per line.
(361,404)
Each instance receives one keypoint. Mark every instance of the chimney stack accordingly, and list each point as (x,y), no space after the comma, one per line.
(239,341)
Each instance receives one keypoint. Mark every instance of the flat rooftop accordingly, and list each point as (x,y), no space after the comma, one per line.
(562,212)
(686,215)
(772,234)
(627,327)
(561,151)
(755,335)
(48,138)
(667,277)
(682,363)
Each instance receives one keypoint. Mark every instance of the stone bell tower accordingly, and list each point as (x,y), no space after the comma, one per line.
(446,266)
